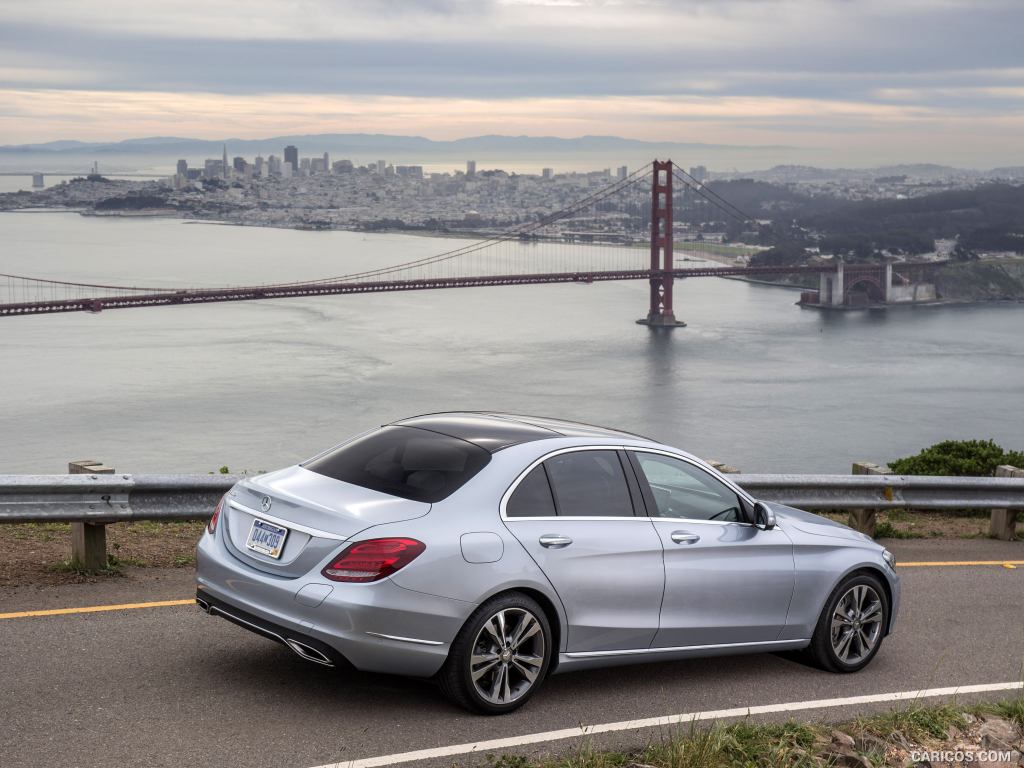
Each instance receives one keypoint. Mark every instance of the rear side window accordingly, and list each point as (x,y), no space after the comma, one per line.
(407,462)
(532,497)
(589,484)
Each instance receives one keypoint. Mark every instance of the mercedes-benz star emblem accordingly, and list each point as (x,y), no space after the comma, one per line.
(265,503)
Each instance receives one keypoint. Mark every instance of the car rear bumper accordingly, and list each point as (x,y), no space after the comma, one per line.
(377,627)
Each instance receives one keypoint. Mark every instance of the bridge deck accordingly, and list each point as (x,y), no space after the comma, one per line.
(254,293)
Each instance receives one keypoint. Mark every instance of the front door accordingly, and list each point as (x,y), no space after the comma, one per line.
(574,514)
(726,581)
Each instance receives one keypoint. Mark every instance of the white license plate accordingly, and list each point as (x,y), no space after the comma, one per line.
(266,538)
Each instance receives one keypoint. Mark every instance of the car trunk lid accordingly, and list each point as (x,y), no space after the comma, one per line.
(317,514)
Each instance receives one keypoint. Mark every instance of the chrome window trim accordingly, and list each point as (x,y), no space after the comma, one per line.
(286,523)
(706,469)
(679,648)
(571,449)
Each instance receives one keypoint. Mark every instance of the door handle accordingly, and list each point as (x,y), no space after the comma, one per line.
(683,537)
(554,541)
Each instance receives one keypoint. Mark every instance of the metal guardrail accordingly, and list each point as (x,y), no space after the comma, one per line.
(105,498)
(885,491)
(114,498)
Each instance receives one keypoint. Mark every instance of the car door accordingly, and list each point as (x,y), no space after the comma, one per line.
(574,513)
(726,581)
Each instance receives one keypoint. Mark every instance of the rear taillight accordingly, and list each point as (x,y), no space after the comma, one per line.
(373,559)
(212,525)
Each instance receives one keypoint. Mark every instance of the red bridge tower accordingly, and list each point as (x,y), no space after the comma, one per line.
(661,314)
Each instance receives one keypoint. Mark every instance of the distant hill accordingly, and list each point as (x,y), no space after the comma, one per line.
(365,142)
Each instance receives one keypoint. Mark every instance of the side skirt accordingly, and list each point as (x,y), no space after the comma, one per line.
(568,662)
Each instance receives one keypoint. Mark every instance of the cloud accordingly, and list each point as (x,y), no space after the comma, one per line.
(741,66)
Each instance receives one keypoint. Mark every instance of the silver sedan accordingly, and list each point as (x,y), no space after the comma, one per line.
(489,551)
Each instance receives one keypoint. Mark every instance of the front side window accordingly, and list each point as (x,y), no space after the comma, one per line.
(407,462)
(589,484)
(681,489)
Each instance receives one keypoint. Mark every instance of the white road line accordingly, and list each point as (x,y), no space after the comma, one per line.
(653,722)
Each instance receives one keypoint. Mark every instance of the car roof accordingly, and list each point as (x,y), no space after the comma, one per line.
(495,431)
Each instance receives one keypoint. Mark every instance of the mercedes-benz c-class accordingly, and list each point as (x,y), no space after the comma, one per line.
(489,551)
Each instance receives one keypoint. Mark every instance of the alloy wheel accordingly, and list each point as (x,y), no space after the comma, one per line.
(857,624)
(508,655)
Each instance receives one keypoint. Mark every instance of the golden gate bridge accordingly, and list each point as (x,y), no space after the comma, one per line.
(594,255)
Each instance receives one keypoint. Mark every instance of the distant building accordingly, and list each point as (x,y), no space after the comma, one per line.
(239,164)
(183,167)
(381,165)
(623,172)
(37,181)
(699,173)
(318,166)
(415,171)
(471,168)
(304,166)
(342,166)
(213,168)
(259,165)
(327,163)
(287,169)
(291,155)
(547,173)
(224,163)
(274,165)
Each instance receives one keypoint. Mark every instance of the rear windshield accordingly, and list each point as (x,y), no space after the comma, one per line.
(407,462)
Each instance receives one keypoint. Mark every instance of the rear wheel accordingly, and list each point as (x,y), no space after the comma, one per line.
(851,627)
(500,657)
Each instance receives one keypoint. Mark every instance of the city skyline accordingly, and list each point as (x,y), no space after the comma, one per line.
(848,84)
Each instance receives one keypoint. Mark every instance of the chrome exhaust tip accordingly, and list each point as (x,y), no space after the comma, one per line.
(308,653)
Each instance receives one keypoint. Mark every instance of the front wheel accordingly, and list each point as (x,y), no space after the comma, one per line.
(851,626)
(500,657)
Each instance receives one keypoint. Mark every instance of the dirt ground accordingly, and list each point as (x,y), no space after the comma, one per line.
(40,553)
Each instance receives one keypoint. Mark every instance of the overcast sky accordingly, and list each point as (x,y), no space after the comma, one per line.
(853,82)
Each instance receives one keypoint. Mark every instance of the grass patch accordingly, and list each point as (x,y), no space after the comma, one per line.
(1011,710)
(114,567)
(740,745)
(914,722)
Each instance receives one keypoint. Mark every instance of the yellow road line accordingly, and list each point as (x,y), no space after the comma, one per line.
(95,609)
(1011,564)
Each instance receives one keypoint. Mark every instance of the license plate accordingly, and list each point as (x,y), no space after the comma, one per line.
(266,538)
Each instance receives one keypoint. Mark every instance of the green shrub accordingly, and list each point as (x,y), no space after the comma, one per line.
(958,457)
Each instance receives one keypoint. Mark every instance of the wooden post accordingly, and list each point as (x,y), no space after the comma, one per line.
(1004,521)
(865,520)
(725,469)
(89,540)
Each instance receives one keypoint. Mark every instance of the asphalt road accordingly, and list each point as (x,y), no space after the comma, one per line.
(169,686)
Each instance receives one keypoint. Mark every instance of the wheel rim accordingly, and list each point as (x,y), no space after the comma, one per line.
(508,655)
(857,624)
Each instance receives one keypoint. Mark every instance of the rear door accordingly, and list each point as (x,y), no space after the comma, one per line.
(574,513)
(726,581)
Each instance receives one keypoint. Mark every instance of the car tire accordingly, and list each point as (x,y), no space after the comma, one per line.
(851,626)
(500,657)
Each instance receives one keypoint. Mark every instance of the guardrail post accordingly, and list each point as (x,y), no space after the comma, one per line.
(89,540)
(865,520)
(725,469)
(1004,521)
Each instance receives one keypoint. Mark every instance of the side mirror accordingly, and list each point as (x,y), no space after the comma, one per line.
(764,518)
